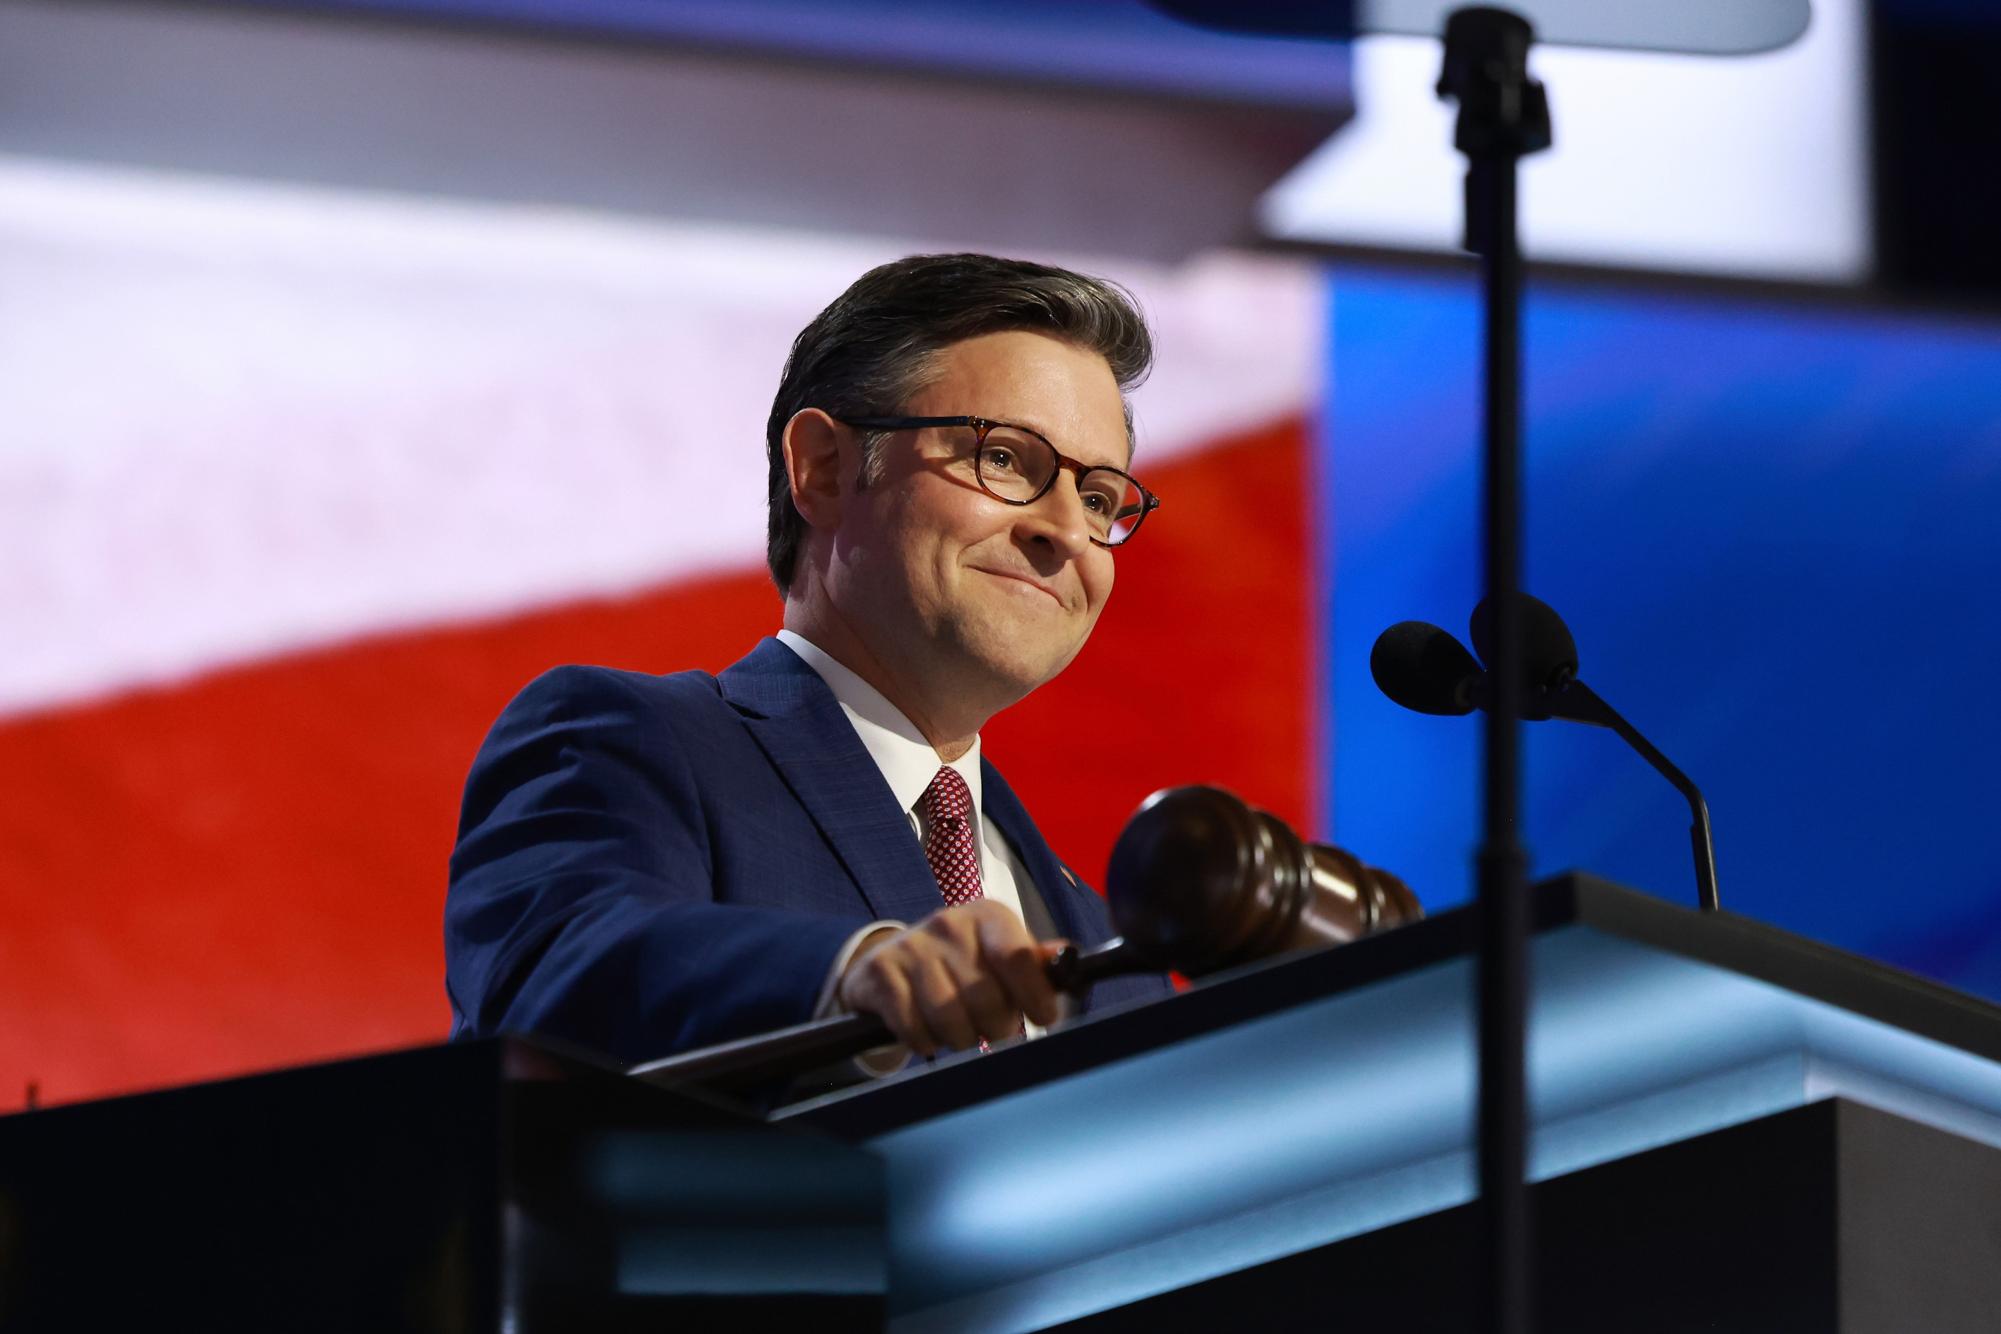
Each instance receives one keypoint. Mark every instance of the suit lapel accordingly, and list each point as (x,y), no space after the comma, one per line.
(798,723)
(1076,917)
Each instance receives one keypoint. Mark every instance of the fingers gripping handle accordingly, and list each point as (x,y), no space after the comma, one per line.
(786,1052)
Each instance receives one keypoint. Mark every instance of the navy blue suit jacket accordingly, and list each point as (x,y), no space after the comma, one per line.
(651,863)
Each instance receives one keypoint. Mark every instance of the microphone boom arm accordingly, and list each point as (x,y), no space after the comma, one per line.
(1579,703)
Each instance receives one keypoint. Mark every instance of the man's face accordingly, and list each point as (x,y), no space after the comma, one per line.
(943,579)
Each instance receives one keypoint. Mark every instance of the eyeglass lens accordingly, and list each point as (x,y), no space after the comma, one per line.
(1016,465)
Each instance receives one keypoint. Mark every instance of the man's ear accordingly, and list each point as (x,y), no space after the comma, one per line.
(818,456)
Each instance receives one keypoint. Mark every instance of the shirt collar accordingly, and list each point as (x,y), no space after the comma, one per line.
(907,761)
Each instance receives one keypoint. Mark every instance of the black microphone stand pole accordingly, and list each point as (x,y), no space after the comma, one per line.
(1503,116)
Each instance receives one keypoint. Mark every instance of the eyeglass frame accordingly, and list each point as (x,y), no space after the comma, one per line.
(983,426)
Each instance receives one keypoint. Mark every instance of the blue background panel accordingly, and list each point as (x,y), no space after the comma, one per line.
(1107,44)
(1776,533)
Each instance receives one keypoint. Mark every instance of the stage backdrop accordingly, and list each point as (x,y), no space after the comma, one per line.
(299,487)
(1772,529)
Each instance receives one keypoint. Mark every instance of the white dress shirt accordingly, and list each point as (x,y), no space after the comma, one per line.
(908,764)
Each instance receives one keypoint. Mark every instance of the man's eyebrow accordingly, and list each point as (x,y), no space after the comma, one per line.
(1021,426)
(1068,453)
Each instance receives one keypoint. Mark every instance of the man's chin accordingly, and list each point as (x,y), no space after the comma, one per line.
(1016,671)
(1008,651)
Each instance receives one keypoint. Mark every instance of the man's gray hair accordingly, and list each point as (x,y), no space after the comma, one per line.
(870,351)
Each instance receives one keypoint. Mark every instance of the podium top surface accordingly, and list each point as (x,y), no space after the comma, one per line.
(1611,915)
(1329,1094)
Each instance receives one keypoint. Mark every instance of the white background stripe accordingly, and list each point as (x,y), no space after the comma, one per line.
(244,419)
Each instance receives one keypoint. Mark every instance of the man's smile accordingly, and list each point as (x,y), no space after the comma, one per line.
(1019,577)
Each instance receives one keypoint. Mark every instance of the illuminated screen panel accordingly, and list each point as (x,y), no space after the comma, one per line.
(299,486)
(1745,166)
(1126,45)
(1772,531)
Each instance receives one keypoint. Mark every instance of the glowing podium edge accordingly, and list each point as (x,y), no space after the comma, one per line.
(1328,1095)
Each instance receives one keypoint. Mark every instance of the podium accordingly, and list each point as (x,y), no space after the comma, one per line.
(1315,1102)
(463,1189)
(1734,1129)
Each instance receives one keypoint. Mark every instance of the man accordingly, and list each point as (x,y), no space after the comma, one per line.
(647,864)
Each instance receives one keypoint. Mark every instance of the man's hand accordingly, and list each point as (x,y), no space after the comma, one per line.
(959,975)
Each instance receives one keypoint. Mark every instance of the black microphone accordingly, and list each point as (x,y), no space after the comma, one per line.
(1549,661)
(1425,669)
(1549,653)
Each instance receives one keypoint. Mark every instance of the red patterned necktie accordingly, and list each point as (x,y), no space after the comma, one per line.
(948,843)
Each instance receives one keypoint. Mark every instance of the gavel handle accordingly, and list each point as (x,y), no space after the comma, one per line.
(769,1056)
(788,1052)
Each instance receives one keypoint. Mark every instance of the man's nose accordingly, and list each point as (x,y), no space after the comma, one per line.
(1059,518)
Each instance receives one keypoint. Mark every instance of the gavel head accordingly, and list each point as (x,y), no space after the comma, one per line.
(1199,881)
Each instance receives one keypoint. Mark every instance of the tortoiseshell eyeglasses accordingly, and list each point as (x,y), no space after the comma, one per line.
(1018,466)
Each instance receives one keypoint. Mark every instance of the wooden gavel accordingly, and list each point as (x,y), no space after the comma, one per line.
(1198,882)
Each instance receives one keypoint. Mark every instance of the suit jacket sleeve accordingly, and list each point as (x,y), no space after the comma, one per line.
(583,900)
